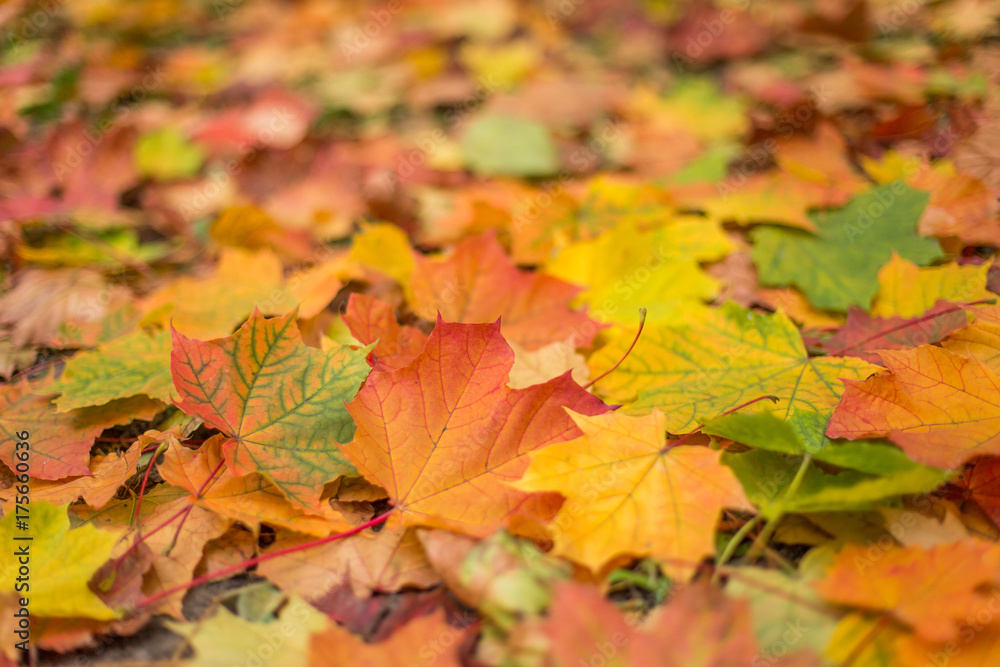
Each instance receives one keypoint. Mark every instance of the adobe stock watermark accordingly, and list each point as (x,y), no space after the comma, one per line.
(561,10)
(220,178)
(406,165)
(780,648)
(30,25)
(710,30)
(898,16)
(969,629)
(74,154)
(361,36)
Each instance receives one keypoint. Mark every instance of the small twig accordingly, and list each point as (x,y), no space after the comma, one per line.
(153,599)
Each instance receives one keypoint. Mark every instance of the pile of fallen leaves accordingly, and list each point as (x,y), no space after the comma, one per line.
(482,332)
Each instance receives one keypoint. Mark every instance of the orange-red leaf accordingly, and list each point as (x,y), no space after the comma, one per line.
(445,433)
(251,499)
(863,333)
(60,441)
(941,408)
(932,590)
(372,320)
(478,283)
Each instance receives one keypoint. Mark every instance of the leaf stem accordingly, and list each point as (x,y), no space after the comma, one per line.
(204,486)
(642,323)
(153,599)
(772,525)
(735,542)
(162,447)
(183,512)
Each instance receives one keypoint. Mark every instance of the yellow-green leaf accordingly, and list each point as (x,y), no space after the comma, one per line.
(57,562)
(137,363)
(696,372)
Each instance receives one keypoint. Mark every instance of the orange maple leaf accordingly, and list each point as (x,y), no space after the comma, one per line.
(923,588)
(371,320)
(445,433)
(478,283)
(941,408)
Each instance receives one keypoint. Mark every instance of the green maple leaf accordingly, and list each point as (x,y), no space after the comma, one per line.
(137,363)
(838,266)
(281,403)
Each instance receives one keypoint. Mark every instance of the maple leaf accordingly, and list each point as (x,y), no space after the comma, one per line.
(374,322)
(838,266)
(42,300)
(533,307)
(698,371)
(698,106)
(982,485)
(443,434)
(715,631)
(107,473)
(619,473)
(280,402)
(920,587)
(136,363)
(581,623)
(767,479)
(917,406)
(385,248)
(980,339)
(793,303)
(961,206)
(283,642)
(698,627)
(909,290)
(61,441)
(773,197)
(62,561)
(803,434)
(657,269)
(250,499)
(385,562)
(781,602)
(613,199)
(176,551)
(210,307)
(821,159)
(546,363)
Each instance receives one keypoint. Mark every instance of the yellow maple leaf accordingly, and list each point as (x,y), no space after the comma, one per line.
(385,248)
(54,566)
(626,269)
(627,493)
(909,290)
(227,639)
